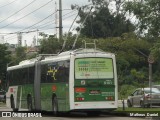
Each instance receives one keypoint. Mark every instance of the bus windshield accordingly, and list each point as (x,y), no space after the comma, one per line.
(93,68)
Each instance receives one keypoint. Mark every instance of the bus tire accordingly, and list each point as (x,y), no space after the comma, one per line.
(93,113)
(55,105)
(12,103)
(29,103)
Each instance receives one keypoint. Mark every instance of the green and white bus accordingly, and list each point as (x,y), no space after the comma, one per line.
(77,80)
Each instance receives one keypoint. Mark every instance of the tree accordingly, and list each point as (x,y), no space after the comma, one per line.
(128,58)
(20,55)
(148,14)
(101,23)
(50,46)
(155,51)
(5,56)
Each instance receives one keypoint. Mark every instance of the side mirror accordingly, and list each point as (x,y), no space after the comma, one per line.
(132,94)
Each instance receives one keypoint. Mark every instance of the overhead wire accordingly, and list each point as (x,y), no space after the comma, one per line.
(37,22)
(26,15)
(34,24)
(38,28)
(8,4)
(18,11)
(42,21)
(69,16)
(15,36)
(47,23)
(29,26)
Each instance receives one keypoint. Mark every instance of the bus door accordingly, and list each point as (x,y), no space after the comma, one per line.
(37,83)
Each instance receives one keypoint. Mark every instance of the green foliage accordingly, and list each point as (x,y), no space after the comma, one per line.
(155,51)
(126,90)
(20,55)
(148,14)
(101,23)
(50,46)
(5,57)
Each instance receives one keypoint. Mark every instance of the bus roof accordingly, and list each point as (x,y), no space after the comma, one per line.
(83,51)
(63,55)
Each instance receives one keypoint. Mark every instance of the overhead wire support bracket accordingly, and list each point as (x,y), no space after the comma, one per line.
(90,43)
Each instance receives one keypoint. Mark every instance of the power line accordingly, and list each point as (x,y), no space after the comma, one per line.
(12,37)
(30,26)
(17,11)
(36,27)
(46,24)
(69,13)
(36,23)
(70,16)
(8,4)
(26,15)
(25,32)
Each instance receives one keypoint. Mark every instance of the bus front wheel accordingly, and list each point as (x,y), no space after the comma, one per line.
(55,105)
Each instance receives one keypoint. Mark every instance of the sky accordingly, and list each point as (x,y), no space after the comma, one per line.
(31,15)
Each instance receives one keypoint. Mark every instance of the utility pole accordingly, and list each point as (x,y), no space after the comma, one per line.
(60,20)
(150,61)
(19,37)
(56,19)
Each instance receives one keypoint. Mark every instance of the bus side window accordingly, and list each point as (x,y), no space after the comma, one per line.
(43,74)
(11,78)
(62,74)
(16,77)
(57,72)
(31,75)
(51,72)
(67,66)
(8,79)
(24,78)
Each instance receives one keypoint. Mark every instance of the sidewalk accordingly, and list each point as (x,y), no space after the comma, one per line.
(120,104)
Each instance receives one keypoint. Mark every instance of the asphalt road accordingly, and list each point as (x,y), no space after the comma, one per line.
(71,116)
(74,117)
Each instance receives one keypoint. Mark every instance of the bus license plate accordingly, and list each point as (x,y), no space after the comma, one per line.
(95,91)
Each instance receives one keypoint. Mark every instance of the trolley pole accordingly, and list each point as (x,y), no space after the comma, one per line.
(60,20)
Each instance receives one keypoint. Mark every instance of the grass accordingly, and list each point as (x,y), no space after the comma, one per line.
(137,109)
(2,104)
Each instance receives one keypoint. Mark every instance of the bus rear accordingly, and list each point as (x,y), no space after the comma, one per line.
(95,83)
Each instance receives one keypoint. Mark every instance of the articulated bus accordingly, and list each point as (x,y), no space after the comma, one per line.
(77,80)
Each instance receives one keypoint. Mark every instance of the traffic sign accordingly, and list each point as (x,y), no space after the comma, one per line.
(151,59)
